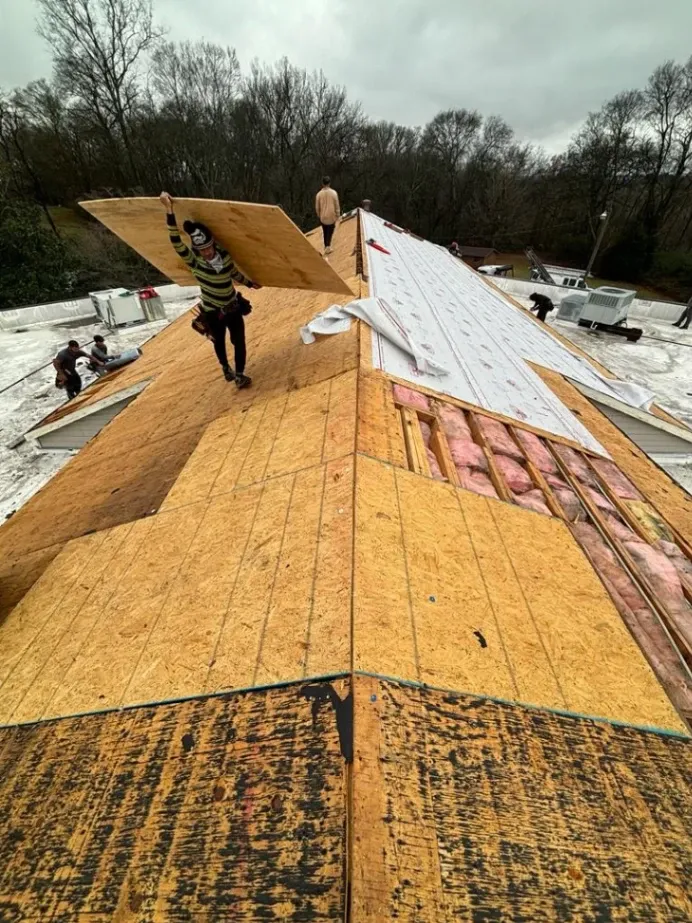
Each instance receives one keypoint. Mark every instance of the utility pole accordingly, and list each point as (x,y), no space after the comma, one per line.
(597,246)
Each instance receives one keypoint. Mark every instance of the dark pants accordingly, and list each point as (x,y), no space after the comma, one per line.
(684,320)
(73,385)
(328,233)
(542,313)
(217,324)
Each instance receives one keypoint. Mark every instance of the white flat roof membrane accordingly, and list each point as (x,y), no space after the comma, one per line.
(474,332)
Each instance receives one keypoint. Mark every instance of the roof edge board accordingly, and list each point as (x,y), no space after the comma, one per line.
(642,415)
(88,410)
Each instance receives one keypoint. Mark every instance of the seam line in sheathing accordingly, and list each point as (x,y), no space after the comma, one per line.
(177,700)
(271,592)
(408,576)
(562,712)
(212,659)
(101,613)
(530,610)
(326,420)
(77,613)
(308,630)
(487,594)
(174,578)
(273,445)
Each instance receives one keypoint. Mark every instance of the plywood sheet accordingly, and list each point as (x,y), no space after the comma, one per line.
(466,809)
(250,586)
(288,433)
(455,590)
(214,809)
(262,239)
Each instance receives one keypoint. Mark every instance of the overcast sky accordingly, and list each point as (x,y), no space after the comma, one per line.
(541,64)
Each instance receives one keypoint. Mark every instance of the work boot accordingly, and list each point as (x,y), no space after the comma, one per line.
(228,373)
(242,381)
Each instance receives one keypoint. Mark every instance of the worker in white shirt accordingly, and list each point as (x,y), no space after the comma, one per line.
(328,211)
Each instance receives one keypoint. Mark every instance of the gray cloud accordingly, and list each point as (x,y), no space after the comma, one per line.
(541,64)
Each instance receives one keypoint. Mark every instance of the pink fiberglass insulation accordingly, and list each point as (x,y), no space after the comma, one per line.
(435,469)
(533,500)
(426,432)
(453,422)
(665,582)
(607,565)
(516,478)
(498,438)
(680,561)
(620,529)
(476,481)
(663,577)
(467,454)
(413,398)
(599,499)
(556,481)
(615,479)
(537,451)
(571,504)
(576,465)
(638,616)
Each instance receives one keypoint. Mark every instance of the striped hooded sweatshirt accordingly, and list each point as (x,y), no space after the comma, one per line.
(217,288)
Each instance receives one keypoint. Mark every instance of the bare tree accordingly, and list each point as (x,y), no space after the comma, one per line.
(99,48)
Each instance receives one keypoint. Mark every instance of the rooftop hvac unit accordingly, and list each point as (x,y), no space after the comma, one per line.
(607,305)
(153,308)
(571,307)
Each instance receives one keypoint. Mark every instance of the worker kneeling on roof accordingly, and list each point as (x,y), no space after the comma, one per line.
(222,306)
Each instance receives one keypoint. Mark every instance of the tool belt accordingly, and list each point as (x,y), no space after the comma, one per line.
(200,324)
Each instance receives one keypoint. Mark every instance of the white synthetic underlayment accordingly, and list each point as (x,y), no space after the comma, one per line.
(378,315)
(464,326)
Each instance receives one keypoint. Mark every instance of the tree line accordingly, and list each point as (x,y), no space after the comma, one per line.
(129,113)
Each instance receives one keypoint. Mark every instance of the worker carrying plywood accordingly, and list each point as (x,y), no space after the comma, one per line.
(223,308)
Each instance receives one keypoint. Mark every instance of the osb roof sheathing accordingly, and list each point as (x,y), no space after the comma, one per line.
(288,544)
(128,469)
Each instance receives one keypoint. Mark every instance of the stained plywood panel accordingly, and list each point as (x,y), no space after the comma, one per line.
(458,591)
(214,809)
(262,239)
(466,809)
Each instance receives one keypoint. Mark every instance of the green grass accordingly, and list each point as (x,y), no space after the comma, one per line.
(522,270)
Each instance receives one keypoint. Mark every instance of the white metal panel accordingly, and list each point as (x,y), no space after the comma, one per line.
(650,439)
(468,328)
(75,434)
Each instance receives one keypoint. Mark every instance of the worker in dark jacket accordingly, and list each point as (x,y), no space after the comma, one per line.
(65,364)
(541,305)
(222,306)
(683,322)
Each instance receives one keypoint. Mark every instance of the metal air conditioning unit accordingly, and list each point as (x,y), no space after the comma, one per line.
(571,307)
(606,305)
(118,307)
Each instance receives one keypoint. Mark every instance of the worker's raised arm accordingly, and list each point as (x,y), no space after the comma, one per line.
(180,248)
